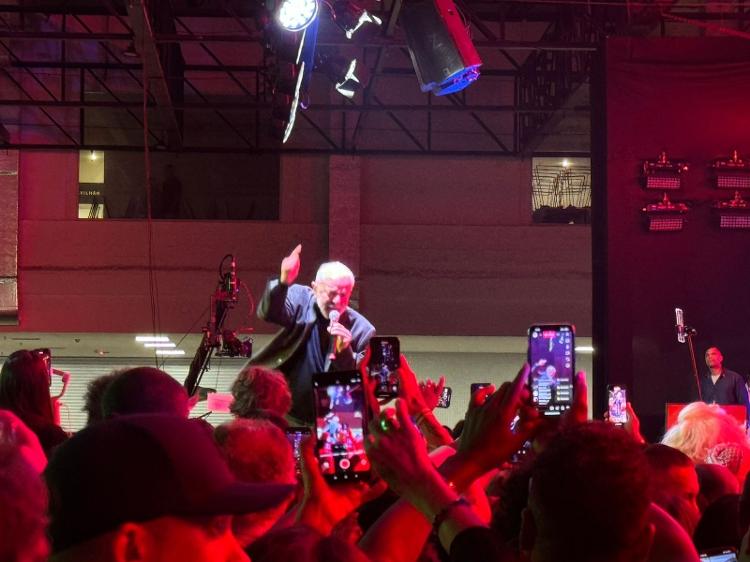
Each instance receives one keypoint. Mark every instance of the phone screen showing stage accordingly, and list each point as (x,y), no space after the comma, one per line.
(552,361)
(617,405)
(339,425)
(385,359)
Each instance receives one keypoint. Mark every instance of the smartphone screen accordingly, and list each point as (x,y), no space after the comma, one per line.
(340,422)
(385,359)
(295,435)
(478,386)
(552,361)
(720,555)
(618,402)
(445,398)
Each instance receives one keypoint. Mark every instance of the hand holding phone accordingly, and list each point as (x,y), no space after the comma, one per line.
(551,357)
(617,404)
(340,425)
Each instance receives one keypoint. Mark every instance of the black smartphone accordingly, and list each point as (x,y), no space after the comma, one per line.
(478,386)
(340,425)
(445,398)
(617,404)
(295,436)
(719,555)
(385,359)
(551,356)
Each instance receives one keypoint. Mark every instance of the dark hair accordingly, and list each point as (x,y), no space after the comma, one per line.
(719,527)
(24,389)
(590,487)
(94,393)
(144,390)
(303,544)
(259,389)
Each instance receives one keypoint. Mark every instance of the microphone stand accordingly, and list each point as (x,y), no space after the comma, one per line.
(690,333)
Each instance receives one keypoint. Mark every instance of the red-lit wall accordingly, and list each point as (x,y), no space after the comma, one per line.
(446,247)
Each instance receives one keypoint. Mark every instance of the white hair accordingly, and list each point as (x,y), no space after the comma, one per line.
(701,427)
(334,270)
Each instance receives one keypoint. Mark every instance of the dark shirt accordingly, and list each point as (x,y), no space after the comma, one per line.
(729,389)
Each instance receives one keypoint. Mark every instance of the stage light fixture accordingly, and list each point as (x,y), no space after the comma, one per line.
(732,172)
(296,15)
(665,216)
(663,173)
(341,72)
(350,17)
(733,214)
(441,50)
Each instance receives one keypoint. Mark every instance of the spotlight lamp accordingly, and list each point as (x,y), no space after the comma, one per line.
(665,216)
(296,15)
(350,17)
(732,173)
(663,173)
(734,213)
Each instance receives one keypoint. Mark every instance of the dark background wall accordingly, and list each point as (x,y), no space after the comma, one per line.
(688,96)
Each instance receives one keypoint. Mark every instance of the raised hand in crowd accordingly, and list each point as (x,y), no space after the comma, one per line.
(324,507)
(290,266)
(487,440)
(632,424)
(431,391)
(420,404)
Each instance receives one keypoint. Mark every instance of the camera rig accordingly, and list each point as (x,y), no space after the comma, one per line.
(216,339)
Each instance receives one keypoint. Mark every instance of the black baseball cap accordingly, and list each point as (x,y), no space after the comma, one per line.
(141,467)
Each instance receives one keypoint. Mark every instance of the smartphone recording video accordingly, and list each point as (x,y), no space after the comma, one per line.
(617,404)
(295,436)
(552,359)
(445,398)
(340,422)
(385,359)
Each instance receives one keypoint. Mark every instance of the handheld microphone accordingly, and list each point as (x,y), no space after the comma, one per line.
(333,316)
(680,325)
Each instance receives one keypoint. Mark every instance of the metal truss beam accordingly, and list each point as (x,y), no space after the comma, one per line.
(154,61)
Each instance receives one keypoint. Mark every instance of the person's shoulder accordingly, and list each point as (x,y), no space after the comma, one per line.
(359,320)
(300,292)
(733,375)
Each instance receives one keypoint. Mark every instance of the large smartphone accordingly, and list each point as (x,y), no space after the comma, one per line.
(445,398)
(385,359)
(551,356)
(340,424)
(617,404)
(719,555)
(295,436)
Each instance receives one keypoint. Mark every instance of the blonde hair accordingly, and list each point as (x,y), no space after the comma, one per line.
(700,427)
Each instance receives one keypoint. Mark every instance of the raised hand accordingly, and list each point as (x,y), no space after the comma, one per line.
(290,266)
(487,439)
(431,392)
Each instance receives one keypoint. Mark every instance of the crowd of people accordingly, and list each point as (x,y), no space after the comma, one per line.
(143,482)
